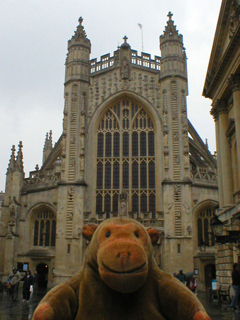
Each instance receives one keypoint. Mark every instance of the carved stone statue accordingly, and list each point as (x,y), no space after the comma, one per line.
(123,207)
(125,69)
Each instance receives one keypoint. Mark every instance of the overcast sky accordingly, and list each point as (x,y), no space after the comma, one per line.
(34,35)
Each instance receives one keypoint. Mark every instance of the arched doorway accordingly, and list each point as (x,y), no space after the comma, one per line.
(42,270)
(210,275)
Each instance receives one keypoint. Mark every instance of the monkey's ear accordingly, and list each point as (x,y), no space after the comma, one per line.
(153,234)
(88,230)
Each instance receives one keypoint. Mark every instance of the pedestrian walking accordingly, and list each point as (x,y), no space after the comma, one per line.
(181,276)
(28,282)
(14,279)
(236,286)
(191,284)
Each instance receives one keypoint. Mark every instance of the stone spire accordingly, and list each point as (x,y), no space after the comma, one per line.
(50,140)
(19,160)
(47,146)
(11,165)
(80,32)
(170,29)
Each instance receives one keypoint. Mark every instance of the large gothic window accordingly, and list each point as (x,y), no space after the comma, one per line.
(44,229)
(203,225)
(125,159)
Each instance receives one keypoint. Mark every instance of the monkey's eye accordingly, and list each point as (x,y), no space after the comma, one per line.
(108,234)
(136,234)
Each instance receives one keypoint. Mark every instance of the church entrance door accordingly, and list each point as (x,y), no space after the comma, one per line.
(210,275)
(42,270)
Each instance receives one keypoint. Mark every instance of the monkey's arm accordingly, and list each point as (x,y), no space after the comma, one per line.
(177,302)
(61,302)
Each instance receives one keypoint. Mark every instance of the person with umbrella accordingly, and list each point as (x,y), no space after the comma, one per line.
(181,276)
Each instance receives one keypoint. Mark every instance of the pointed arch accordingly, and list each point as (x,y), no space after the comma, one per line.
(203,214)
(127,156)
(43,223)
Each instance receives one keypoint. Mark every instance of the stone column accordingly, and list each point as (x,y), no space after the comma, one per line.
(226,164)
(219,167)
(234,83)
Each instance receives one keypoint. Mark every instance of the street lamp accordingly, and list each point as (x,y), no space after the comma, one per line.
(230,236)
(217,226)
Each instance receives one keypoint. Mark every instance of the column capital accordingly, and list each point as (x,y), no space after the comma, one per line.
(219,107)
(234,82)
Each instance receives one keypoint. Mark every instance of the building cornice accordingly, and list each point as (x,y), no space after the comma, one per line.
(212,80)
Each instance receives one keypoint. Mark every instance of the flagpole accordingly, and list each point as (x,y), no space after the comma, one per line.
(141,27)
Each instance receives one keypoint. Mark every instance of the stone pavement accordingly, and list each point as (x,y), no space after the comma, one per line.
(23,311)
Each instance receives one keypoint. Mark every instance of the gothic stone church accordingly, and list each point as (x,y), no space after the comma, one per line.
(127,148)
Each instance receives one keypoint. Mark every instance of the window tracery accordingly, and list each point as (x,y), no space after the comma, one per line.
(205,234)
(44,229)
(125,158)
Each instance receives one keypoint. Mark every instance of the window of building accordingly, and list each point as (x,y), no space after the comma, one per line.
(44,229)
(125,158)
(205,233)
(179,248)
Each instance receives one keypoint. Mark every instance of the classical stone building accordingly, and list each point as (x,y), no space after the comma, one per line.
(127,148)
(222,85)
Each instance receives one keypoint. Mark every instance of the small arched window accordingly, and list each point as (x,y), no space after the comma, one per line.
(44,229)
(205,233)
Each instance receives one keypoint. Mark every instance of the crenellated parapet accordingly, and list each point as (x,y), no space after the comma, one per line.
(142,62)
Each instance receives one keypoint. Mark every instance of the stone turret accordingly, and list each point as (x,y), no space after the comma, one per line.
(77,81)
(77,62)
(72,186)
(173,79)
(173,56)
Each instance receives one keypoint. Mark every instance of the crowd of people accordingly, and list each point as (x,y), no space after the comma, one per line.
(192,285)
(190,282)
(30,283)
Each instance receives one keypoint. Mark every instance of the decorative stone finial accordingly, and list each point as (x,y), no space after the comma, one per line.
(11,165)
(20,145)
(80,20)
(19,160)
(170,15)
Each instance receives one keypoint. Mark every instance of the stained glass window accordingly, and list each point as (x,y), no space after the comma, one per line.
(44,229)
(135,144)
(125,153)
(205,234)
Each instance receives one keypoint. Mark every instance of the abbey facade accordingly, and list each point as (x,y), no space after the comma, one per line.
(127,149)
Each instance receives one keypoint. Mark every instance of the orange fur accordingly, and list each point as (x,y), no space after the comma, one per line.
(120,280)
(201,315)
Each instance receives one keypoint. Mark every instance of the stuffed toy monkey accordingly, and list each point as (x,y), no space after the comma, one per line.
(120,280)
